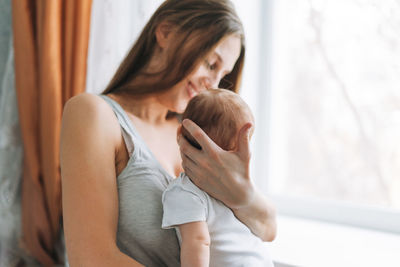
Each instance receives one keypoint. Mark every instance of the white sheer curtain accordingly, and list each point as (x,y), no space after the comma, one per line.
(11,150)
(115,25)
(11,153)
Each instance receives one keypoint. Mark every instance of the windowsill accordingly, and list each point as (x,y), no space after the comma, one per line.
(302,242)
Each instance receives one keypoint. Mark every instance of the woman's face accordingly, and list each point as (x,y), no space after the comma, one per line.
(218,63)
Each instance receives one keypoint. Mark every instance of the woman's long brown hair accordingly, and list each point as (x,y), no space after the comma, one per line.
(200,25)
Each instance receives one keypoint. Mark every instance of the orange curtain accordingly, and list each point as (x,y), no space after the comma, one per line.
(50,45)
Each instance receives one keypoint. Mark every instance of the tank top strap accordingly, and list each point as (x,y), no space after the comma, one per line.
(129,132)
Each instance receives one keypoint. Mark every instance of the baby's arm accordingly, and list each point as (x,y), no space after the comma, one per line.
(195,247)
(186,209)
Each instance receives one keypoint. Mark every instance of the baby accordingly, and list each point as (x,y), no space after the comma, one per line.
(208,231)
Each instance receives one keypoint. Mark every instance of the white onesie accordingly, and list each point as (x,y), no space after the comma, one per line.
(232,243)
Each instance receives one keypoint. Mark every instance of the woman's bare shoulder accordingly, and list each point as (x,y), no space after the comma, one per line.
(90,114)
(86,102)
(89,107)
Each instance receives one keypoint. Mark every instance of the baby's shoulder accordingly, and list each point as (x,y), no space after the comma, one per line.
(183,184)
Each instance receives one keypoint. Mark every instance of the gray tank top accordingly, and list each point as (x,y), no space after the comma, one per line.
(140,188)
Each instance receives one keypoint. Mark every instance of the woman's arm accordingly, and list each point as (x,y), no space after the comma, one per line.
(195,247)
(259,216)
(225,176)
(89,139)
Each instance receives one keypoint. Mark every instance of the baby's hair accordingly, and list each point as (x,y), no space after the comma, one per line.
(217,112)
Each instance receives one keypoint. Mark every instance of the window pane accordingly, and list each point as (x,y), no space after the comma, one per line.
(335,100)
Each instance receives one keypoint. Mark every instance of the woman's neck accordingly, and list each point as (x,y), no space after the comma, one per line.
(146,108)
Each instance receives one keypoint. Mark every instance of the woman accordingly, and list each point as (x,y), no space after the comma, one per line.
(119,150)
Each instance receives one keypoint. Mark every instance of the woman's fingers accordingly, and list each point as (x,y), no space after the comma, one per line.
(243,149)
(188,163)
(188,150)
(201,137)
(197,174)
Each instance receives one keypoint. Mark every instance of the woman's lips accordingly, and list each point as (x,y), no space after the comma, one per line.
(192,90)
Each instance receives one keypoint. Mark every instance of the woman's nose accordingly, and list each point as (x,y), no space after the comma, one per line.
(212,81)
(210,84)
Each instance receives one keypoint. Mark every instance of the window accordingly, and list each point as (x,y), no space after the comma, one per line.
(332,118)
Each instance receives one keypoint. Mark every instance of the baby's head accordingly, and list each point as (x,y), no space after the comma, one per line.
(221,114)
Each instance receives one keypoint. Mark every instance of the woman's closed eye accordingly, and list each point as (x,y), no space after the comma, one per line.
(209,65)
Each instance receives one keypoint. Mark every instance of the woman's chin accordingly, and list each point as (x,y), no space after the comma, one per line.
(179,108)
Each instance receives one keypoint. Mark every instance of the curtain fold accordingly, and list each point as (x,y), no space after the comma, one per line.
(50,44)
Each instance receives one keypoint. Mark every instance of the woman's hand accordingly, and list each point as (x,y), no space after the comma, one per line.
(222,174)
(225,175)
